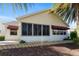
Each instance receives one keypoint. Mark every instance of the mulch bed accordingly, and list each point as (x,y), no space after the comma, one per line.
(36,51)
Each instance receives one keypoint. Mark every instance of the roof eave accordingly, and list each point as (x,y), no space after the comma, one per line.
(20,17)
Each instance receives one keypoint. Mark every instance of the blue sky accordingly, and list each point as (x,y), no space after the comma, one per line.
(9,15)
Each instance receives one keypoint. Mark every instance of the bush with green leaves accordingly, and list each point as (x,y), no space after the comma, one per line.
(2,38)
(68,38)
(22,41)
(74,37)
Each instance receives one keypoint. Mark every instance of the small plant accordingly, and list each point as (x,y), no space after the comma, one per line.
(22,41)
(68,38)
(74,37)
(2,38)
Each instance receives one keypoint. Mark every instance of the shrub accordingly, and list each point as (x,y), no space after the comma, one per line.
(22,41)
(68,38)
(2,38)
(76,41)
(74,37)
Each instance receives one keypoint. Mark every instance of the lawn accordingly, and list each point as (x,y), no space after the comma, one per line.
(52,50)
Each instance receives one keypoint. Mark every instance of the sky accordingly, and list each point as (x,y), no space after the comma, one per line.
(9,15)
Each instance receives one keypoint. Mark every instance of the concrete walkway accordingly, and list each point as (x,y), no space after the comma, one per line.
(8,45)
(8,42)
(68,49)
(65,51)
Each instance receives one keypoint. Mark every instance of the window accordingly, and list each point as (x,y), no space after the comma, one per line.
(26,29)
(64,33)
(29,29)
(13,32)
(46,30)
(37,29)
(54,32)
(59,32)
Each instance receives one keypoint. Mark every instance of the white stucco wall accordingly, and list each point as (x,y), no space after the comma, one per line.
(9,37)
(42,18)
(2,29)
(45,19)
(43,38)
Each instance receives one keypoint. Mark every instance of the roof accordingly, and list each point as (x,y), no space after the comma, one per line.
(48,10)
(11,23)
(32,14)
(61,19)
(13,27)
(59,27)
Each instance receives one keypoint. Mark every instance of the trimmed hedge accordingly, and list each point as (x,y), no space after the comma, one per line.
(2,38)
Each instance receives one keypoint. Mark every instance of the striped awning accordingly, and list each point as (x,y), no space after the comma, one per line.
(12,27)
(59,27)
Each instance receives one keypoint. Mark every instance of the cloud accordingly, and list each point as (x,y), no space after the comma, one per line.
(4,19)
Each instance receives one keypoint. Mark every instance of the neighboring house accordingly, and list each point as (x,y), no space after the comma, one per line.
(2,30)
(41,26)
(11,31)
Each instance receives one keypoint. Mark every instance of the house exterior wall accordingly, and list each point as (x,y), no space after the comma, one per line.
(2,30)
(43,38)
(44,19)
(9,37)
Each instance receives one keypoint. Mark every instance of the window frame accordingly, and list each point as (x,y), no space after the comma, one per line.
(15,32)
(29,31)
(58,32)
(26,29)
(23,29)
(46,28)
(36,29)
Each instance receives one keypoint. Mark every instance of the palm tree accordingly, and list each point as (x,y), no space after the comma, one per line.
(16,6)
(69,12)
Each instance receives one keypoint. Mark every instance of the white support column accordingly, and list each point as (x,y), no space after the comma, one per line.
(19,30)
(32,30)
(50,31)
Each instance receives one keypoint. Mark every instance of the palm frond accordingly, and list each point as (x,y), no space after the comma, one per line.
(68,12)
(2,7)
(16,6)
(64,11)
